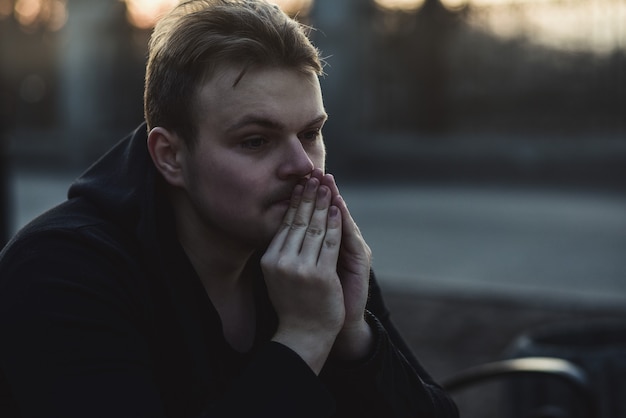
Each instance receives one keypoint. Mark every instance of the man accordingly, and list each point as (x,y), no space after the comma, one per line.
(207,266)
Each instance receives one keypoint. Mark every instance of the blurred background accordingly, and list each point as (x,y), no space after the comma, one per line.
(481,145)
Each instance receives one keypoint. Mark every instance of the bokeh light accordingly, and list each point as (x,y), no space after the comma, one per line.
(31,14)
(144,14)
(403,5)
(294,7)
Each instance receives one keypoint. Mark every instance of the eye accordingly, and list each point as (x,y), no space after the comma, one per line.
(254,143)
(311,135)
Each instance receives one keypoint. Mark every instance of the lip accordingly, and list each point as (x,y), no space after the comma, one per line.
(281,197)
(284,197)
(284,202)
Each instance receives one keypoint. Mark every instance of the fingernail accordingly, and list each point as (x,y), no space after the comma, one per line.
(311,184)
(333,211)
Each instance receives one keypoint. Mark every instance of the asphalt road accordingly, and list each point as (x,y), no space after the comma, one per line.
(533,243)
(537,243)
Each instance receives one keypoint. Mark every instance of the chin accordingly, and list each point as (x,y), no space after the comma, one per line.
(263,238)
(263,233)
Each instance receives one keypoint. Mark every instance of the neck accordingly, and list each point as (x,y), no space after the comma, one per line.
(230,287)
(221,268)
(224,269)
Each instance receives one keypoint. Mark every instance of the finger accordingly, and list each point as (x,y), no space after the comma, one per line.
(318,174)
(294,203)
(349,225)
(328,180)
(314,236)
(281,235)
(337,200)
(329,252)
(300,222)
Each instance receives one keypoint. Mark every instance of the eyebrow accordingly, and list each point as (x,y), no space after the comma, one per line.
(269,123)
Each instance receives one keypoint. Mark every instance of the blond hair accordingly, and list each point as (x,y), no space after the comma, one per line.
(198,36)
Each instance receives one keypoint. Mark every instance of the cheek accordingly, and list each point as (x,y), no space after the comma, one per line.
(227,204)
(318,156)
(215,184)
(235,190)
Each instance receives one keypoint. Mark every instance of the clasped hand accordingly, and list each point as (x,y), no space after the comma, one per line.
(317,272)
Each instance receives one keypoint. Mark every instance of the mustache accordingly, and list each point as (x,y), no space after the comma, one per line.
(283,193)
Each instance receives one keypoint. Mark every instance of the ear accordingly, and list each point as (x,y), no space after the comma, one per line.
(166,149)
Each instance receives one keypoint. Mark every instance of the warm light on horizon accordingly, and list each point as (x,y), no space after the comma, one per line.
(411,5)
(574,25)
(598,26)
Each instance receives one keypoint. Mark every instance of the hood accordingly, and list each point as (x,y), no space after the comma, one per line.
(122,183)
(125,189)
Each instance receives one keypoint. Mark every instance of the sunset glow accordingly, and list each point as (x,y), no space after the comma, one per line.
(576,25)
(598,25)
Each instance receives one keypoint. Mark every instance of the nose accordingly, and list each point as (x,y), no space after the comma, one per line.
(296,162)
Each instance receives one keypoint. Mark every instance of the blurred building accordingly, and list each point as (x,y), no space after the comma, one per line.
(67,89)
(444,92)
(451,88)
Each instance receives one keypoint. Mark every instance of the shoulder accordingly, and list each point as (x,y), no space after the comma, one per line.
(74,224)
(69,246)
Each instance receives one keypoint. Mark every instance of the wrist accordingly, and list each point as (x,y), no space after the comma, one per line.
(354,342)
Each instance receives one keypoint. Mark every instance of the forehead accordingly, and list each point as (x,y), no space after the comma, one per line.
(288,96)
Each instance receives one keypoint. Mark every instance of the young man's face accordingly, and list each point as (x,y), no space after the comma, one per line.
(256,140)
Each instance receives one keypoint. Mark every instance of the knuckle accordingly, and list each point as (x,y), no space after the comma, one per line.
(315,231)
(331,243)
(298,223)
(307,199)
(283,265)
(284,226)
(303,271)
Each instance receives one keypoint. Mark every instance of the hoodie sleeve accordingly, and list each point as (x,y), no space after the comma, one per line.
(391,382)
(276,383)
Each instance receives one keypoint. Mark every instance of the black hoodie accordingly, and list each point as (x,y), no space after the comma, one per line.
(102,315)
